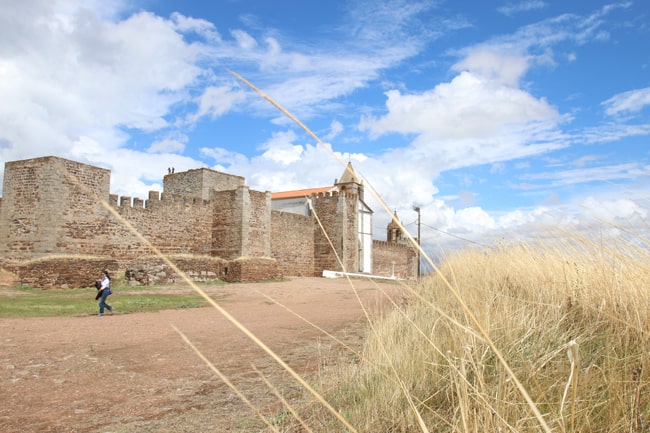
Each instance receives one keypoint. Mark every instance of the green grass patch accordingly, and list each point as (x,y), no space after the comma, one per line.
(30,302)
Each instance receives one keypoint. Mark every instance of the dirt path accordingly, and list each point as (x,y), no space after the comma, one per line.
(133,373)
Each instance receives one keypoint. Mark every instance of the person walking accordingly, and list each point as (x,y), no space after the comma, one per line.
(104,292)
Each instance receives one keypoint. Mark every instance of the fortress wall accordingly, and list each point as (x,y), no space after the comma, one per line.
(152,270)
(394,259)
(62,272)
(53,207)
(324,207)
(292,243)
(174,225)
(248,269)
(147,271)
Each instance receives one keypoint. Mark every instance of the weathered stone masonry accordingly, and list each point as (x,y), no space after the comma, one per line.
(211,224)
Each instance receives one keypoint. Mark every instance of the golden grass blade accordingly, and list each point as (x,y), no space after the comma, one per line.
(225,379)
(424,255)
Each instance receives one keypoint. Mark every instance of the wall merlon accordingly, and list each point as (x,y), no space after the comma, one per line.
(125,201)
(406,244)
(158,201)
(194,201)
(325,194)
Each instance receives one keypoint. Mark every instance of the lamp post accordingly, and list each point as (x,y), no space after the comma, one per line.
(417,209)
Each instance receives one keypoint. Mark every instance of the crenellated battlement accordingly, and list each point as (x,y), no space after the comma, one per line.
(155,200)
(404,245)
(334,194)
(324,195)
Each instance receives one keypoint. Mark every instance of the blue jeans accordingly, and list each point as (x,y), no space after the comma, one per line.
(102,301)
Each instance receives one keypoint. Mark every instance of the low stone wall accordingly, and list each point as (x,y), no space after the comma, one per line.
(153,270)
(250,269)
(75,271)
(61,272)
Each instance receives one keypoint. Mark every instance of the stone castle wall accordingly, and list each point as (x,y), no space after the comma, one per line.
(62,272)
(390,259)
(241,224)
(292,237)
(174,225)
(54,206)
(150,270)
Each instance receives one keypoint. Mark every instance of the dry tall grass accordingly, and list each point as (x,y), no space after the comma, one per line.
(571,320)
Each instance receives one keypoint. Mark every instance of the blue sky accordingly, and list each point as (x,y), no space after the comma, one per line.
(494,117)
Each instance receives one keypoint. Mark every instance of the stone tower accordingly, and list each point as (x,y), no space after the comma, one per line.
(349,182)
(200,182)
(347,221)
(47,199)
(241,217)
(394,231)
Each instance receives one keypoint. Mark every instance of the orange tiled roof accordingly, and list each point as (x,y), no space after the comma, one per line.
(300,192)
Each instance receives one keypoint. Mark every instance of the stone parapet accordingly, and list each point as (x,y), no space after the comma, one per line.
(153,270)
(61,272)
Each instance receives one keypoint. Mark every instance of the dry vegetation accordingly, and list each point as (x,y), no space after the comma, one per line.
(570,320)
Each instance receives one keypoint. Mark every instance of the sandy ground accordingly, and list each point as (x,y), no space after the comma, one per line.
(134,373)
